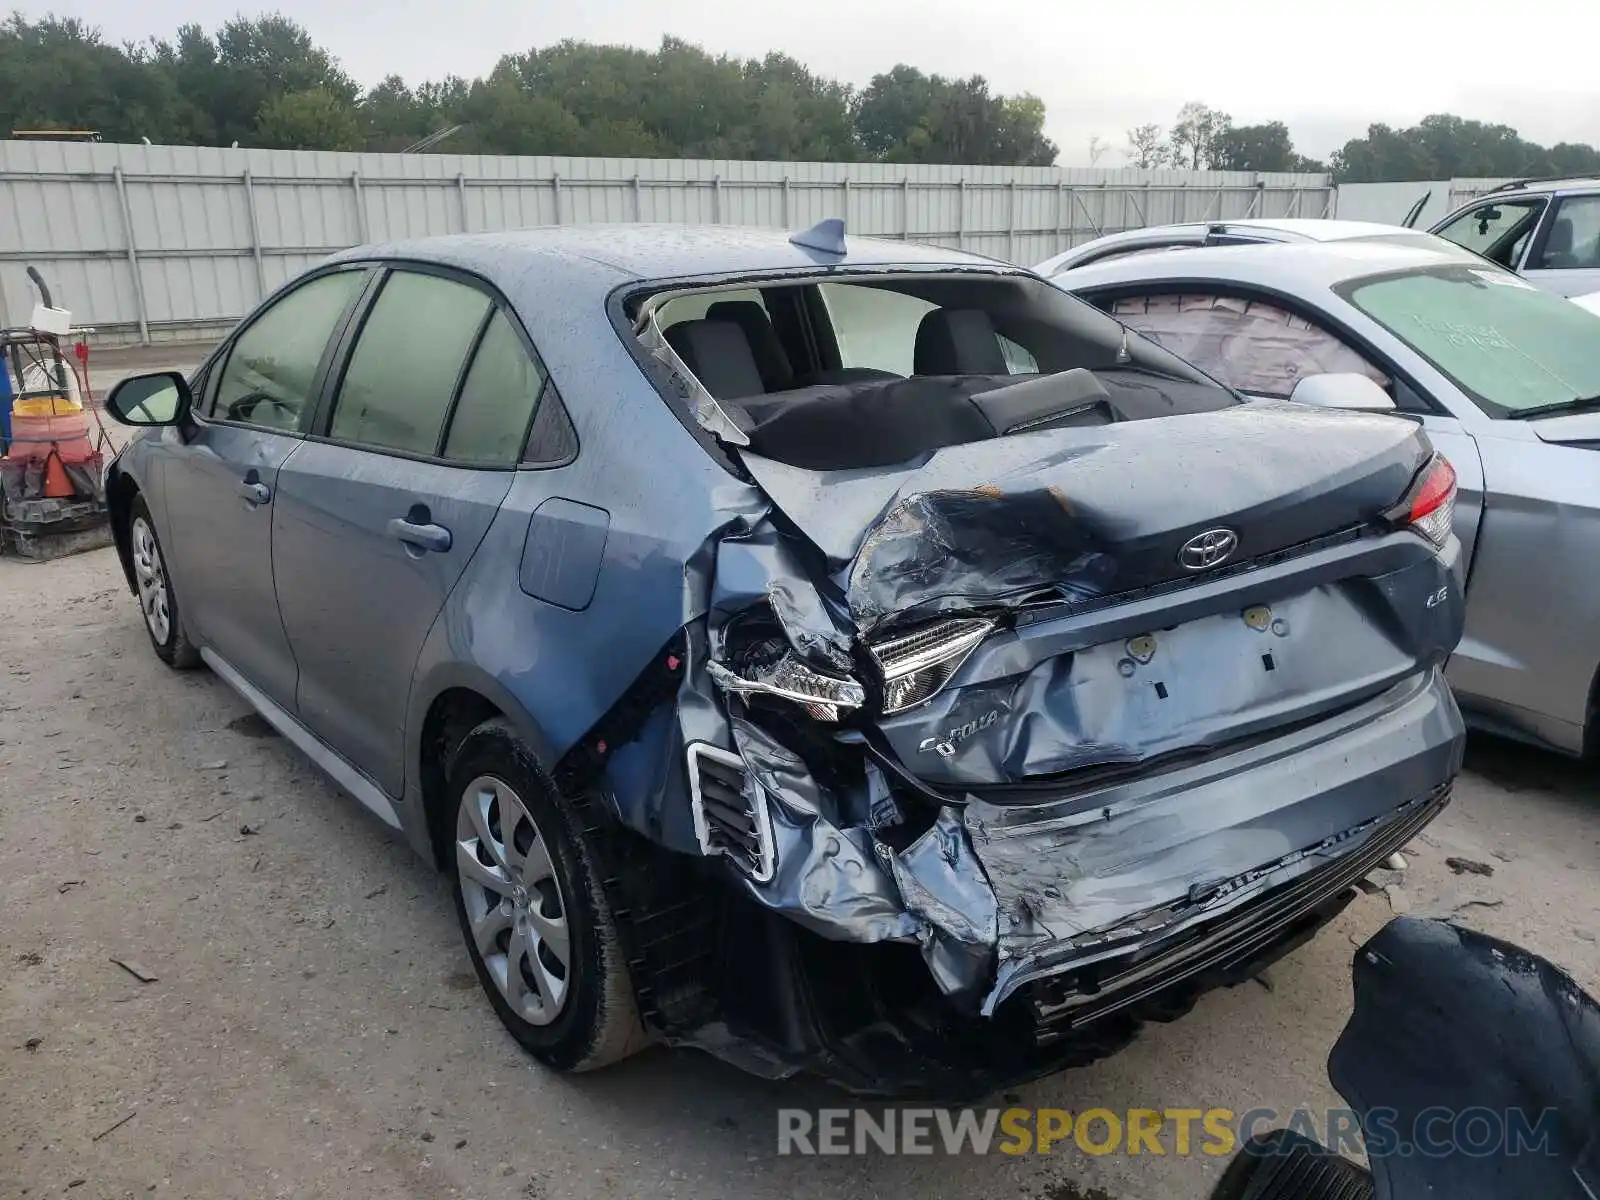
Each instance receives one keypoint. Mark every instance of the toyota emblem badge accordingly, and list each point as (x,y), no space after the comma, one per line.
(1209,549)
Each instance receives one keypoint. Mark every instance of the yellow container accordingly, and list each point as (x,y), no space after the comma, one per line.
(46,406)
(60,401)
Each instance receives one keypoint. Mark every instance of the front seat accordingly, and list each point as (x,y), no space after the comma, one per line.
(958,341)
(1558,254)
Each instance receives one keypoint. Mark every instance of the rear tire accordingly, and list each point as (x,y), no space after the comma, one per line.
(158,602)
(532,910)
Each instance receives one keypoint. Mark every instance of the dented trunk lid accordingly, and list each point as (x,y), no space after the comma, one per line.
(1092,512)
(1111,652)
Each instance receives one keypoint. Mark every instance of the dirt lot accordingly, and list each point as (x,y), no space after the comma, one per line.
(312,1027)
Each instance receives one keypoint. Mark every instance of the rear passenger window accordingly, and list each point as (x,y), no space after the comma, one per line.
(273,363)
(502,387)
(403,372)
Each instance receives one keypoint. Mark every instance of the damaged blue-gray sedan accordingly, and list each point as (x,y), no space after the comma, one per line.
(848,657)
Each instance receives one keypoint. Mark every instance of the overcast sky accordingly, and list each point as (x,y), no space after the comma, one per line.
(1101,66)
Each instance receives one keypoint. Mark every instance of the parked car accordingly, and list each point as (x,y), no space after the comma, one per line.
(1503,377)
(1244,232)
(1547,230)
(851,657)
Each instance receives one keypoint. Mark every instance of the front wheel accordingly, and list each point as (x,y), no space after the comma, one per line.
(535,917)
(158,603)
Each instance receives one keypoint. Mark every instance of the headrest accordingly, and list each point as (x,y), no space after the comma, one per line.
(719,355)
(771,360)
(958,341)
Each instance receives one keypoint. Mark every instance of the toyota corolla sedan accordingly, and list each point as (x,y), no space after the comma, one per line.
(851,657)
(1505,379)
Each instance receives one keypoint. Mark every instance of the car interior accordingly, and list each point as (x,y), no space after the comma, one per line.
(877,371)
(1566,247)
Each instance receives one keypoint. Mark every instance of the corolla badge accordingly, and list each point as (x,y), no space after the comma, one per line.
(945,747)
(1209,549)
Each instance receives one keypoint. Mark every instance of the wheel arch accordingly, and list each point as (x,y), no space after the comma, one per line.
(454,702)
(121,489)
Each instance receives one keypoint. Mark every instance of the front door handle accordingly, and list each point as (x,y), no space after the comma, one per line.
(255,492)
(423,537)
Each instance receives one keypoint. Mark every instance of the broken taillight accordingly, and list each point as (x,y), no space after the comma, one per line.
(916,665)
(1430,506)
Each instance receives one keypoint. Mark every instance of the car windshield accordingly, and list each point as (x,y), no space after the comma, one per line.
(1511,347)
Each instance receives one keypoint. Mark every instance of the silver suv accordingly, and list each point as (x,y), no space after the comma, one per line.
(1547,230)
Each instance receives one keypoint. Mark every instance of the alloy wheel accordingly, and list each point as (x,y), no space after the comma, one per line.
(513,900)
(150,573)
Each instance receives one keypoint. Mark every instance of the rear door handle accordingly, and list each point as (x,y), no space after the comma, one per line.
(255,493)
(423,537)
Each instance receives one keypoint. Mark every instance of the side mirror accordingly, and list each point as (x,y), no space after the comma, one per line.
(161,398)
(1347,390)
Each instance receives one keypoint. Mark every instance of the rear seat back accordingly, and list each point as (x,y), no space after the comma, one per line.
(719,354)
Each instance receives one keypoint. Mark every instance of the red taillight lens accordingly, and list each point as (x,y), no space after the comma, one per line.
(1433,504)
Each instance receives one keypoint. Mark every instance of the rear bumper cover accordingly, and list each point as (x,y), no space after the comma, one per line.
(796,1009)
(1122,901)
(1095,879)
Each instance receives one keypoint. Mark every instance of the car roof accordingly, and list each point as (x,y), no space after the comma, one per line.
(1286,266)
(615,254)
(1553,183)
(1312,229)
(1280,229)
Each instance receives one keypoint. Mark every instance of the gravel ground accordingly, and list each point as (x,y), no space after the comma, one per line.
(311,1026)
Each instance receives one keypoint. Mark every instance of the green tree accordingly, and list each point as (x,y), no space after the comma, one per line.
(59,74)
(907,116)
(393,116)
(253,60)
(1266,147)
(1384,155)
(502,118)
(1195,135)
(1570,158)
(799,115)
(313,119)
(1147,147)
(1445,146)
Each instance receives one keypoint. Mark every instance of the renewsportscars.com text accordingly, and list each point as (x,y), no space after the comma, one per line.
(1181,1132)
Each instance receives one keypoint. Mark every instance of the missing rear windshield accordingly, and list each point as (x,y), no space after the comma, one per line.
(873,370)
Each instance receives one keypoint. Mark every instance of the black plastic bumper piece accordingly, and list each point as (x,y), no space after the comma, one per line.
(1284,1165)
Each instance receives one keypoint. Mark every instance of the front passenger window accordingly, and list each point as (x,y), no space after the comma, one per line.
(404,369)
(1497,230)
(273,364)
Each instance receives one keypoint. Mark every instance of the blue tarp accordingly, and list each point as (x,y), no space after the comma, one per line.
(5,407)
